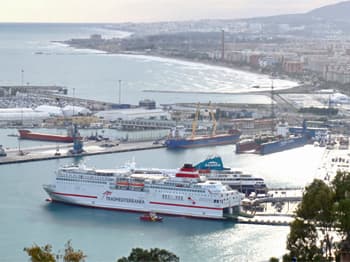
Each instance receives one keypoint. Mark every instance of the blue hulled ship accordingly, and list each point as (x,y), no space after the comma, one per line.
(179,139)
(283,140)
(208,140)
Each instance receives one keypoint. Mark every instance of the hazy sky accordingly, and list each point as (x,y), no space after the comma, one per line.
(146,10)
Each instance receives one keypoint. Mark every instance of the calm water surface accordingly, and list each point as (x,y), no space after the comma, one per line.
(26,217)
(105,235)
(95,75)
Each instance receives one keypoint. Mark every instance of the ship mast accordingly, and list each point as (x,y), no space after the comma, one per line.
(272,109)
(195,122)
(212,115)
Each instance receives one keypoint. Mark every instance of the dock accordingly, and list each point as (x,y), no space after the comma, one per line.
(55,151)
(266,222)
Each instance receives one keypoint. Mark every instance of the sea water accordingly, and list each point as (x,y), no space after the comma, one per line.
(95,75)
(26,217)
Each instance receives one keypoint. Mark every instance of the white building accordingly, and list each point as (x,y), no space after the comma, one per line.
(67,111)
(22,115)
(133,113)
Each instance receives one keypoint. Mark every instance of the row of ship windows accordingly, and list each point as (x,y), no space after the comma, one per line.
(77,176)
(172,197)
(133,188)
(177,184)
(81,181)
(178,189)
(237,179)
(172,192)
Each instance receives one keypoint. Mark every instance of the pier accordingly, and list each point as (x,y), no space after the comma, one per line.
(277,199)
(55,151)
(266,222)
(150,124)
(144,124)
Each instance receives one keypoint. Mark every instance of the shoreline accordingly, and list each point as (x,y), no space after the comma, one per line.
(262,92)
(244,69)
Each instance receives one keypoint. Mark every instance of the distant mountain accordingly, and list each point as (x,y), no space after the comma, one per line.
(335,16)
(335,12)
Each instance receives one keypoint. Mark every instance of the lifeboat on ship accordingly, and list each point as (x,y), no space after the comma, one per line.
(136,184)
(122,183)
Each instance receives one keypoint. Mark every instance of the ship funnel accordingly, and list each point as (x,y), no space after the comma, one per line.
(213,163)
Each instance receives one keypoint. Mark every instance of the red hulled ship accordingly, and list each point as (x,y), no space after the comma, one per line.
(27,134)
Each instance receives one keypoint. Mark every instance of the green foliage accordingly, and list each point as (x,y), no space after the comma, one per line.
(341,185)
(317,203)
(40,254)
(45,254)
(72,256)
(302,242)
(153,255)
(326,207)
(343,215)
(273,259)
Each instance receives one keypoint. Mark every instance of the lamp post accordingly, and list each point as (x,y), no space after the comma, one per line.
(120,90)
(73,100)
(22,73)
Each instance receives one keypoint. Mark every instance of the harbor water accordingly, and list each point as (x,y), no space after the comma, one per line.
(26,217)
(106,235)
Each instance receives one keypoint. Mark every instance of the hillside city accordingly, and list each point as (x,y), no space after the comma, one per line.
(241,121)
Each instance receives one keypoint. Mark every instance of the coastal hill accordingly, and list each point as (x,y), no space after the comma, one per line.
(335,12)
(335,17)
(329,19)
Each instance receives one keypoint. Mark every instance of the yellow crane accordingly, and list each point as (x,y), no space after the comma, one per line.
(195,121)
(212,115)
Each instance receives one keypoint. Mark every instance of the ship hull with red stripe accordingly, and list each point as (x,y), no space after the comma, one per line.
(138,202)
(180,196)
(27,134)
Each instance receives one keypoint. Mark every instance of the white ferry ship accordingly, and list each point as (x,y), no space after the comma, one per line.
(185,194)
(214,170)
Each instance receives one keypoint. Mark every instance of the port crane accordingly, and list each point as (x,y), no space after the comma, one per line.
(77,140)
(212,115)
(195,121)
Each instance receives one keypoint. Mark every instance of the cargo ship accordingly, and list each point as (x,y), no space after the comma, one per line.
(273,143)
(27,134)
(283,144)
(252,145)
(179,139)
(184,194)
(206,140)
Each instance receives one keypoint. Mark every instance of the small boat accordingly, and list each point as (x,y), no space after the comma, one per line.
(151,217)
(2,151)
